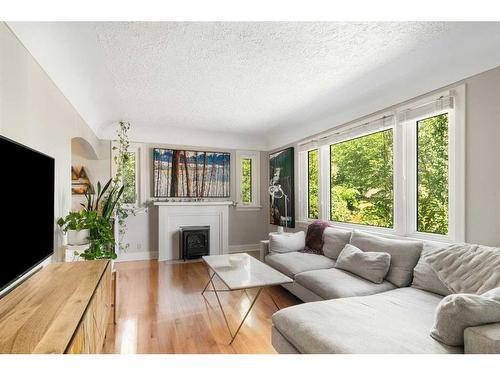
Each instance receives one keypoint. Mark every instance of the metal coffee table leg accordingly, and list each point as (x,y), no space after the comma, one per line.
(210,282)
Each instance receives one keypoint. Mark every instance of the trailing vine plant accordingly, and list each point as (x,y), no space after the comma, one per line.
(121,158)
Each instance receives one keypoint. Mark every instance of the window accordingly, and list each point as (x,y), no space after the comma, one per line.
(400,173)
(432,175)
(130,175)
(247,179)
(129,179)
(312,184)
(361,188)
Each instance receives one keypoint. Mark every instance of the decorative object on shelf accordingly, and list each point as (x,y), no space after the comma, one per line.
(76,226)
(80,181)
(281,188)
(191,174)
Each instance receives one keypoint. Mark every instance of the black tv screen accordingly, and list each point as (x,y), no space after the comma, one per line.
(27,201)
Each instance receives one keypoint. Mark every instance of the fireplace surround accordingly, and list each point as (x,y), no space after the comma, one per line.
(173,215)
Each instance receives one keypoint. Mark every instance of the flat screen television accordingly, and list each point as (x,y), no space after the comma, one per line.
(27,210)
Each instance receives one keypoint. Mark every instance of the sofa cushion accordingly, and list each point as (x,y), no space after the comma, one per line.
(334,240)
(467,268)
(397,321)
(295,262)
(425,278)
(286,242)
(335,283)
(457,312)
(369,265)
(404,254)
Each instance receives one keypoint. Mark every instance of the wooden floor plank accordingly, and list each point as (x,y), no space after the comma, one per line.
(161,310)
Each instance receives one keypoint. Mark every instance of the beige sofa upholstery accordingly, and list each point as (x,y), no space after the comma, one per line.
(397,321)
(375,318)
(335,283)
(295,262)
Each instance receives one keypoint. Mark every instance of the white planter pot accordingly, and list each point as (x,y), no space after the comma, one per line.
(78,237)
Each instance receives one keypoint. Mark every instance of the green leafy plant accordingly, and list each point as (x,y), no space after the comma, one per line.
(74,221)
(100,209)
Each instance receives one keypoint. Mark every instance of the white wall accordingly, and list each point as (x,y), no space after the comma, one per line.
(35,113)
(245,227)
(482,185)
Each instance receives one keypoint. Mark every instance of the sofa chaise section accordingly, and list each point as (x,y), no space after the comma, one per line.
(397,321)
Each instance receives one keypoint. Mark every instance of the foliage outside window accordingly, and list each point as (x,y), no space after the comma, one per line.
(361,175)
(312,185)
(246,180)
(129,179)
(432,175)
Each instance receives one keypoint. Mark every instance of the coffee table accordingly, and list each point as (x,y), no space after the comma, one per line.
(251,273)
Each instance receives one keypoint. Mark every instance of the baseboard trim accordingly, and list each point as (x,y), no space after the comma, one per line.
(243,248)
(133,255)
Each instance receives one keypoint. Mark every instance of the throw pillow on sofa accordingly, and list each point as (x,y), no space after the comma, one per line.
(334,241)
(404,254)
(425,278)
(286,242)
(372,266)
(456,312)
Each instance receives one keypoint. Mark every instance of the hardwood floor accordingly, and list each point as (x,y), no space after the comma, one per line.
(161,310)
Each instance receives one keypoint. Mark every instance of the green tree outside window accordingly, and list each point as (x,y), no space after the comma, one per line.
(432,175)
(361,172)
(312,185)
(129,179)
(246,180)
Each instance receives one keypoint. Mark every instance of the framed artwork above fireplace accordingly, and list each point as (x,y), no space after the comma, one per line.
(191,174)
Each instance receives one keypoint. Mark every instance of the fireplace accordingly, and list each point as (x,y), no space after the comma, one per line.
(194,241)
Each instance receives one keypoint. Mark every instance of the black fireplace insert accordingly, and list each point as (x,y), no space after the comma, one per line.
(194,241)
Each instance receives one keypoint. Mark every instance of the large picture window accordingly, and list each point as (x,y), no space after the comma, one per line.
(400,172)
(361,187)
(432,174)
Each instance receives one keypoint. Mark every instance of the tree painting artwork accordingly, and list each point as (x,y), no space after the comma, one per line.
(190,174)
(281,188)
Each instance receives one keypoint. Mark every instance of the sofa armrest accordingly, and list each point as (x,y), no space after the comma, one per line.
(483,339)
(264,249)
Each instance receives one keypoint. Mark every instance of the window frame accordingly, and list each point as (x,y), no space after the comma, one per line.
(404,169)
(254,156)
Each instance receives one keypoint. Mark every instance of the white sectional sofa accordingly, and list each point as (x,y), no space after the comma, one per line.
(346,313)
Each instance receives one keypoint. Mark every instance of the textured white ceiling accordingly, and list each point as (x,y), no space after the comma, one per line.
(250,85)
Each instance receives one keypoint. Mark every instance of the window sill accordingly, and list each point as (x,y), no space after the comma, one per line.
(248,207)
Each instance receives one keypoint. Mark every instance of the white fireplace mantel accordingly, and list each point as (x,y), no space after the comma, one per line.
(173,215)
(200,203)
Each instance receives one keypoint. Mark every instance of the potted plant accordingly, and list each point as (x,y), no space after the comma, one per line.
(100,208)
(76,225)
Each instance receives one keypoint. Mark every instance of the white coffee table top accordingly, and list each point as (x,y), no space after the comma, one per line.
(251,273)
